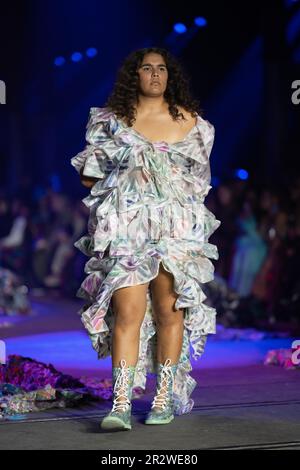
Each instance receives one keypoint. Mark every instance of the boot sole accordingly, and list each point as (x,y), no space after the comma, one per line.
(113,422)
(159,421)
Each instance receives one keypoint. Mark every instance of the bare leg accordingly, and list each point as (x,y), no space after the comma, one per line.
(169,321)
(129,306)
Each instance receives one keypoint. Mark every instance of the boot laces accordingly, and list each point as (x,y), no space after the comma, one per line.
(161,397)
(120,389)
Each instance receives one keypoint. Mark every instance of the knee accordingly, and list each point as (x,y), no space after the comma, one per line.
(168,316)
(128,317)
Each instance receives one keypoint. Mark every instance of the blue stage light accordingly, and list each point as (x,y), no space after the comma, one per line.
(76,56)
(91,52)
(200,21)
(179,28)
(58,61)
(242,174)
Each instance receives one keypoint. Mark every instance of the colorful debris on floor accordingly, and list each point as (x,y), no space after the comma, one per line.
(287,358)
(28,385)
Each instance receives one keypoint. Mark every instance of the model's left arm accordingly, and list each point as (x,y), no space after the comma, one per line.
(201,166)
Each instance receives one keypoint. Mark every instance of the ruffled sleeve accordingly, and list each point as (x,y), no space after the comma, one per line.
(92,160)
(207,136)
(201,154)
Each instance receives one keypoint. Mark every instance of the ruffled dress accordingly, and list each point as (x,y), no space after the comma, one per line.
(147,208)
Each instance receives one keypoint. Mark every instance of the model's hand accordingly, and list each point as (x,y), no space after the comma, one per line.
(87,181)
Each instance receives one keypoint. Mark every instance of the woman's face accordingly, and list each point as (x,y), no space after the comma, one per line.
(153,75)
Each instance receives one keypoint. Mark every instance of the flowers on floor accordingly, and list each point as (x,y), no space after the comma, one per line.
(283,357)
(28,385)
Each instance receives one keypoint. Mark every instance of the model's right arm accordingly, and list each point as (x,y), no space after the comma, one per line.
(91,162)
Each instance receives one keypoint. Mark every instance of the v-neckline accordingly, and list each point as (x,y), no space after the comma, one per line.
(142,136)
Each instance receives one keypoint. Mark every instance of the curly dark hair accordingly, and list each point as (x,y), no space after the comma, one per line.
(125,92)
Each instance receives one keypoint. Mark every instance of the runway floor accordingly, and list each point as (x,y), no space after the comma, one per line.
(240,403)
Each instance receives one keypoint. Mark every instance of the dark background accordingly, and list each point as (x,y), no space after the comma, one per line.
(241,66)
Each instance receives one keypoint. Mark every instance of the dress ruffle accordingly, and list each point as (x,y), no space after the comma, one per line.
(148,208)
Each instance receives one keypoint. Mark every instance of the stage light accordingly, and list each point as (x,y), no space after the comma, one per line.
(200,21)
(179,28)
(290,3)
(59,61)
(76,56)
(242,174)
(91,52)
